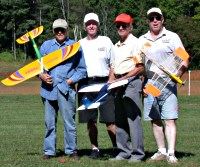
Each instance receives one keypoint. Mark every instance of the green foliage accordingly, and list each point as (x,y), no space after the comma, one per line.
(187,28)
(8,56)
(16,17)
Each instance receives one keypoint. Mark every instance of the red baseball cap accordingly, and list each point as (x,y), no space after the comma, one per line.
(124,18)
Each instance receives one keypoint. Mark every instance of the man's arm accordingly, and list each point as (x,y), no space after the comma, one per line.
(80,69)
(183,68)
(111,75)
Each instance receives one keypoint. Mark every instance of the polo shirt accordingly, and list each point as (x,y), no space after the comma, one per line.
(160,49)
(126,57)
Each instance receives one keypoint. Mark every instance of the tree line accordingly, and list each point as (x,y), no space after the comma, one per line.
(18,16)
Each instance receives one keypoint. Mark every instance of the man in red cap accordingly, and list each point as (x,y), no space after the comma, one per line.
(127,64)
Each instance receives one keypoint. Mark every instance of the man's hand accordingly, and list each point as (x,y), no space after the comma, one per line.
(46,78)
(69,82)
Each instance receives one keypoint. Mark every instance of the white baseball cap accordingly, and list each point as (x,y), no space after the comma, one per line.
(91,16)
(154,10)
(60,23)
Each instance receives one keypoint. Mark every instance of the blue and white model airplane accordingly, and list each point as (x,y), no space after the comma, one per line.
(103,89)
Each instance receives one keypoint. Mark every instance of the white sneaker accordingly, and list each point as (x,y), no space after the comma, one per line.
(172,159)
(158,156)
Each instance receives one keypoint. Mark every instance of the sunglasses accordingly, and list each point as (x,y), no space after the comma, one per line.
(57,30)
(124,26)
(93,22)
(158,18)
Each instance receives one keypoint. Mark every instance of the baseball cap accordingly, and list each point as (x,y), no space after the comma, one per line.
(91,16)
(60,23)
(154,10)
(123,17)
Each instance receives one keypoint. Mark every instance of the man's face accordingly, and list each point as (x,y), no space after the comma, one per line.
(155,22)
(123,29)
(91,27)
(60,34)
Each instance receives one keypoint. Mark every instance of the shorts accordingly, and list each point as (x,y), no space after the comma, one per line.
(163,107)
(105,113)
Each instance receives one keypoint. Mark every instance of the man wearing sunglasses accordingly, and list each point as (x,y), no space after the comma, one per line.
(98,51)
(58,92)
(162,110)
(127,64)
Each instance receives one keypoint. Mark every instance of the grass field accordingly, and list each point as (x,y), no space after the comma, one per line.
(22,131)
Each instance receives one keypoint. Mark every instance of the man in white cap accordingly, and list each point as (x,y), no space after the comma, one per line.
(162,111)
(97,53)
(58,93)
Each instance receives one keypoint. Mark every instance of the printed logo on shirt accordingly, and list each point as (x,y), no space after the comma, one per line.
(165,40)
(102,49)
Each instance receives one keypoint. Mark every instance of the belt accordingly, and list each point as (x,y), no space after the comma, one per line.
(95,78)
(120,75)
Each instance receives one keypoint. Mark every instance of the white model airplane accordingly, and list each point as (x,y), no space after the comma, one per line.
(103,89)
(166,71)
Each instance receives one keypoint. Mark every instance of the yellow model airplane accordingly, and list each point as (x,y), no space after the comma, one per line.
(171,63)
(37,66)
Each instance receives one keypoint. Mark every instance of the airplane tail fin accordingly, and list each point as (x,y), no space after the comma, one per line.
(86,102)
(31,34)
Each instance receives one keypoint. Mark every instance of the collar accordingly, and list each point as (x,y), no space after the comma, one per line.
(161,34)
(54,42)
(119,43)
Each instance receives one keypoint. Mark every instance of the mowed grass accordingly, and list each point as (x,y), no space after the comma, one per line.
(22,132)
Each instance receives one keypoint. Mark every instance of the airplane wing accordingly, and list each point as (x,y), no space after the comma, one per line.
(91,88)
(92,106)
(31,34)
(103,89)
(97,87)
(34,68)
(167,70)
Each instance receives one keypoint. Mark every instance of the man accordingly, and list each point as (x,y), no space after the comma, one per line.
(97,53)
(58,93)
(163,110)
(126,64)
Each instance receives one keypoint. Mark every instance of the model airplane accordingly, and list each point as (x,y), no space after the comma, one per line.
(103,89)
(166,71)
(42,63)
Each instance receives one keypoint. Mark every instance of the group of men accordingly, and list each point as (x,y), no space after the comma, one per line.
(99,61)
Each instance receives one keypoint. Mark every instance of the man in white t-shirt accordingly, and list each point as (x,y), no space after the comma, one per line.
(97,51)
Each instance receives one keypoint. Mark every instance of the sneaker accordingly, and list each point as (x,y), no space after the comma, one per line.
(117,158)
(158,156)
(134,159)
(94,154)
(172,159)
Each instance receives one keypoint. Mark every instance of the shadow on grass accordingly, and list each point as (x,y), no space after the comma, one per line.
(104,153)
(107,153)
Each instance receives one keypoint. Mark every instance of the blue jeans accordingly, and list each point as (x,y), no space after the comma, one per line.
(66,105)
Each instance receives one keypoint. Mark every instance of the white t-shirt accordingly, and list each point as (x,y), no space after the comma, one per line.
(97,54)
